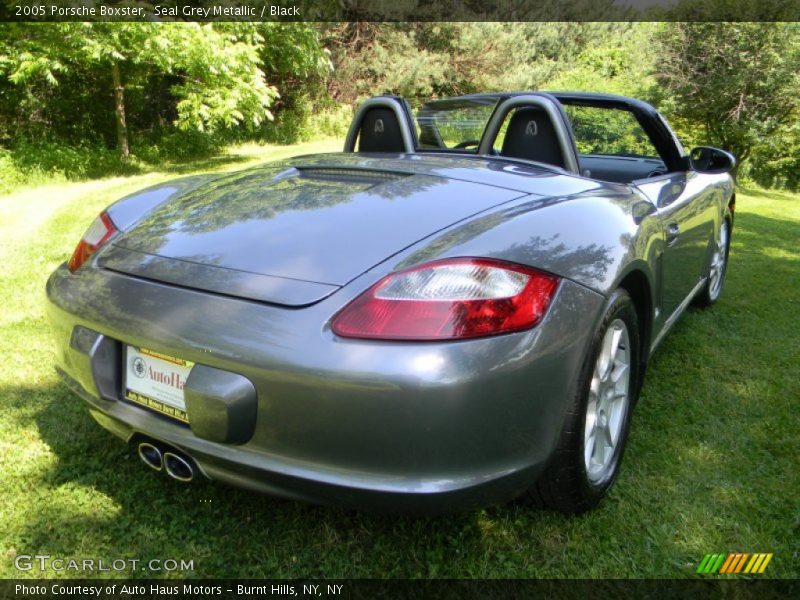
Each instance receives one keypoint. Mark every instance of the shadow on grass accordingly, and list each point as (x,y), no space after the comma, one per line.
(228,532)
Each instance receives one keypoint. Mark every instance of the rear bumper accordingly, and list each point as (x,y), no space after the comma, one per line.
(371,425)
(275,479)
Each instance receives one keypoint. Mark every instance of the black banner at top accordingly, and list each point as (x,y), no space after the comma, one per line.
(400,10)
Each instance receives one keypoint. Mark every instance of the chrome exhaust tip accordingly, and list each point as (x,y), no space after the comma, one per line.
(178,467)
(151,456)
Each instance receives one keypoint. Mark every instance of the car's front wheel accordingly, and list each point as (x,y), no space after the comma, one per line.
(589,452)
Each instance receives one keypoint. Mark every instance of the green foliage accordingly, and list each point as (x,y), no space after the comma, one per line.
(617,59)
(10,175)
(306,120)
(600,131)
(221,83)
(73,162)
(205,77)
(179,145)
(191,88)
(209,77)
(46,161)
(738,81)
(777,160)
(332,121)
(420,60)
(293,55)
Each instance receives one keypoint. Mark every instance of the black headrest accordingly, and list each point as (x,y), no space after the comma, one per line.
(532,136)
(380,131)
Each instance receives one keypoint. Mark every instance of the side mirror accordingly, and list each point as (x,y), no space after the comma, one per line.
(705,159)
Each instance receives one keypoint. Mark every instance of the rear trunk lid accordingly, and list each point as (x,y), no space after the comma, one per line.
(294,235)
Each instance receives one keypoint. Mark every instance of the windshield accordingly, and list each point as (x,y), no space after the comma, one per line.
(454,124)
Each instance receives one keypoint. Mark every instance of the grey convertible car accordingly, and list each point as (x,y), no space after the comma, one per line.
(456,310)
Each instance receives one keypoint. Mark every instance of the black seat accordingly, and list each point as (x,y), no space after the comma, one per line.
(380,131)
(532,136)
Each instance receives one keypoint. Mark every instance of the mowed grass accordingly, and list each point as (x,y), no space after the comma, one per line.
(712,463)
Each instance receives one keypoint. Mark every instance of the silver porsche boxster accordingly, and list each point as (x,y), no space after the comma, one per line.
(458,309)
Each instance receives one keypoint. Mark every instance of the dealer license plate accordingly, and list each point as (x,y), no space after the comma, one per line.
(156,381)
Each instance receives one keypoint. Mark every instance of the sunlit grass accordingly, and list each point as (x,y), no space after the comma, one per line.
(711,465)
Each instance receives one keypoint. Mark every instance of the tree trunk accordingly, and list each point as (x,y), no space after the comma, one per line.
(119,110)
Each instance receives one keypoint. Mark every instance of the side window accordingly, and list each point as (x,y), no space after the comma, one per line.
(609,132)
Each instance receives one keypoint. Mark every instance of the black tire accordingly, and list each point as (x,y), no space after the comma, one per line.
(566,485)
(711,293)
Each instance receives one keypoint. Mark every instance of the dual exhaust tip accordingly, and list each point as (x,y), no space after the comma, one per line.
(157,458)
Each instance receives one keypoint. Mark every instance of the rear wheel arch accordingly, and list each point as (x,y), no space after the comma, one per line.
(567,484)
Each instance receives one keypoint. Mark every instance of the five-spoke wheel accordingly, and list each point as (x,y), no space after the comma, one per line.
(608,402)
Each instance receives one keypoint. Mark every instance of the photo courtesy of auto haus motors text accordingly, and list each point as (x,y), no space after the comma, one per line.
(182,590)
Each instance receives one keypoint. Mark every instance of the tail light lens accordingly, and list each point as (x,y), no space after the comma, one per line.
(449,299)
(101,229)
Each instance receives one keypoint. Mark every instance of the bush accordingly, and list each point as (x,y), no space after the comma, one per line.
(289,123)
(333,121)
(29,163)
(302,121)
(776,160)
(39,162)
(73,162)
(177,146)
(10,175)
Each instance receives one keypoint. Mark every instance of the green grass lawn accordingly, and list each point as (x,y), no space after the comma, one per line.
(712,464)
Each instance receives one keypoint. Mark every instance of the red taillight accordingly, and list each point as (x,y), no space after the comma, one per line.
(449,299)
(98,233)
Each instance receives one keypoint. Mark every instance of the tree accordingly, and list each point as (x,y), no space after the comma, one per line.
(215,67)
(738,81)
(293,55)
(419,60)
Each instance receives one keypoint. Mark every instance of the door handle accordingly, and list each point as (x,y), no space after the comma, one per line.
(673,231)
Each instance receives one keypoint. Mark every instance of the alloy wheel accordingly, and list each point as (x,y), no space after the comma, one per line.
(608,403)
(717,273)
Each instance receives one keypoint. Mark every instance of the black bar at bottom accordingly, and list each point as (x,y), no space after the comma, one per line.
(457,589)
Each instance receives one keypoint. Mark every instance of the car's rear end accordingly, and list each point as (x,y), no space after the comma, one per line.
(207,328)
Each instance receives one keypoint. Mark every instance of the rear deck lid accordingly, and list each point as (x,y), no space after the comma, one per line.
(292,236)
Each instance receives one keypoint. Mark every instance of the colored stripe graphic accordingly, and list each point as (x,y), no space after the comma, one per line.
(749,566)
(740,564)
(734,562)
(765,563)
(703,566)
(710,563)
(728,562)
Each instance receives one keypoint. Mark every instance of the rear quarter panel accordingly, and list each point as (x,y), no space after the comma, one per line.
(594,238)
